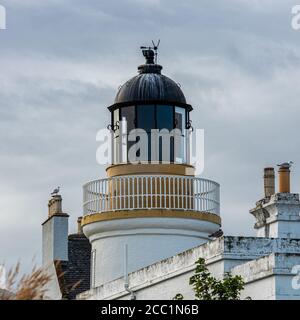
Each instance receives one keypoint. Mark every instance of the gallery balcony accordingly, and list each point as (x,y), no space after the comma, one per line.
(151,192)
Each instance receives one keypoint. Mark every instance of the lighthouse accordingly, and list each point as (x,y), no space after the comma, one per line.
(150,206)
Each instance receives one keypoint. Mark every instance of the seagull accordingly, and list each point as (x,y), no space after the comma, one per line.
(55,191)
(217,234)
(285,164)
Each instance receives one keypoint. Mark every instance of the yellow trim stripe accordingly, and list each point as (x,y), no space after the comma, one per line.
(130,214)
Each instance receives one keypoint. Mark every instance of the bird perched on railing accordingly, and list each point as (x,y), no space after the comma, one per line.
(217,234)
(55,192)
(285,164)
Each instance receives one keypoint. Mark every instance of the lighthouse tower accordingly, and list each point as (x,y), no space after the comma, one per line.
(151,202)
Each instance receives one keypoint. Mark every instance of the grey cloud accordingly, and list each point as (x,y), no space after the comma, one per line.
(62,62)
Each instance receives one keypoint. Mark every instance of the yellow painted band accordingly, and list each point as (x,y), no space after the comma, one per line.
(133,169)
(130,214)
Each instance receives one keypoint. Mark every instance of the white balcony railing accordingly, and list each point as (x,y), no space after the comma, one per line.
(151,192)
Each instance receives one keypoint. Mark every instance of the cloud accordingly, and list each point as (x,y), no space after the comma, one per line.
(62,62)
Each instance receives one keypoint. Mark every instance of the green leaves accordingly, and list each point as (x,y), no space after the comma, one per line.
(178,296)
(207,287)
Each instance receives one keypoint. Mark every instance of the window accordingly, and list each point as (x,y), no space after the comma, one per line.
(180,141)
(116,121)
(146,117)
(164,117)
(128,114)
(180,122)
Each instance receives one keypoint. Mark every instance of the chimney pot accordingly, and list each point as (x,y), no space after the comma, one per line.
(55,206)
(269,181)
(284,179)
(79,227)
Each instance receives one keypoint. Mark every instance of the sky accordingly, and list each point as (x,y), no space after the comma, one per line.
(62,61)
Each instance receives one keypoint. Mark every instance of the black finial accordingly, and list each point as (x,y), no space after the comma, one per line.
(150,53)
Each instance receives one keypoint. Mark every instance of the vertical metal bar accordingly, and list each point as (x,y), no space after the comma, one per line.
(186,194)
(205,195)
(147,196)
(151,192)
(128,192)
(196,194)
(190,193)
(200,195)
(101,196)
(124,194)
(165,192)
(182,194)
(119,193)
(155,192)
(137,191)
(97,196)
(178,192)
(142,178)
(160,198)
(174,192)
(169,187)
(115,193)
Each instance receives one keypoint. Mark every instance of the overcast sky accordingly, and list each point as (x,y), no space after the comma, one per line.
(61,62)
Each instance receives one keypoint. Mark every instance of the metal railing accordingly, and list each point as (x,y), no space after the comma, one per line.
(151,192)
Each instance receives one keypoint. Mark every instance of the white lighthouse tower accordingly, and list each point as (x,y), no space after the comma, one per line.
(158,208)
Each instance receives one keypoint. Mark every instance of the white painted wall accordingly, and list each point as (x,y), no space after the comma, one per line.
(55,239)
(284,219)
(53,290)
(149,240)
(267,274)
(270,277)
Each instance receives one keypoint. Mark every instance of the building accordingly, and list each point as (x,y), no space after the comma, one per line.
(65,257)
(151,218)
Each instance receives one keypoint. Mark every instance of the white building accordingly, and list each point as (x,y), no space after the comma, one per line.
(151,219)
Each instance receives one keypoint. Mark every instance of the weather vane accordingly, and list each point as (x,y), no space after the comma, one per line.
(150,53)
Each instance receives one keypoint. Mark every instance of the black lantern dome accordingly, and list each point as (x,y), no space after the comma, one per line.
(150,85)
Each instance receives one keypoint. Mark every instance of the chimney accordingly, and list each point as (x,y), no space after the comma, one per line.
(55,206)
(79,227)
(269,181)
(55,232)
(284,178)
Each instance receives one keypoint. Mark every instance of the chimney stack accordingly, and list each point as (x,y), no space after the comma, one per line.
(55,232)
(79,227)
(269,182)
(284,177)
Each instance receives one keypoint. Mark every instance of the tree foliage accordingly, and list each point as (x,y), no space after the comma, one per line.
(207,287)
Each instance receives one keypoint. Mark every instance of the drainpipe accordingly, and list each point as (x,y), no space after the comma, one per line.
(126,284)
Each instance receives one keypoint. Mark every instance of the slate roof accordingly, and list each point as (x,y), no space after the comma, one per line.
(74,274)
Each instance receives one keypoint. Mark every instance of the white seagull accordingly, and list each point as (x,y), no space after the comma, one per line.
(285,164)
(55,191)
